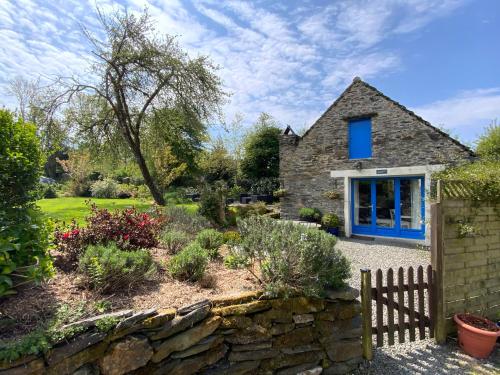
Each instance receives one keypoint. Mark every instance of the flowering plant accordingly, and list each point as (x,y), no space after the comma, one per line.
(129,229)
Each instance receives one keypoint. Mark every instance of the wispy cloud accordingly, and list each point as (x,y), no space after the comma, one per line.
(467,113)
(286,60)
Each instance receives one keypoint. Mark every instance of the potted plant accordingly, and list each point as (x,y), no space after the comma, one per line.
(476,335)
(312,215)
(331,223)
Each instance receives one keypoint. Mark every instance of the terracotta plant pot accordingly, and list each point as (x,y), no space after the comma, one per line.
(476,342)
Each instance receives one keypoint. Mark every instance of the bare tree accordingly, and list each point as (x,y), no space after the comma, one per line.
(40,105)
(137,72)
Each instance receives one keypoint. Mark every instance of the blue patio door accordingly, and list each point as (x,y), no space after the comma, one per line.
(389,206)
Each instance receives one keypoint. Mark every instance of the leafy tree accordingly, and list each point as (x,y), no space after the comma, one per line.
(40,105)
(20,161)
(261,150)
(217,164)
(488,145)
(137,73)
(24,231)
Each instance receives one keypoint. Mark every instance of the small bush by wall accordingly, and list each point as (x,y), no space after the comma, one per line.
(244,334)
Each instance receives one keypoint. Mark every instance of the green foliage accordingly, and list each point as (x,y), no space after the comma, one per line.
(266,185)
(330,221)
(217,164)
(234,261)
(292,258)
(280,193)
(101,306)
(49,192)
(488,145)
(174,240)
(24,248)
(189,264)
(310,214)
(80,167)
(44,337)
(20,161)
(181,219)
(242,211)
(173,138)
(213,203)
(107,268)
(231,237)
(482,179)
(107,324)
(261,150)
(210,240)
(106,188)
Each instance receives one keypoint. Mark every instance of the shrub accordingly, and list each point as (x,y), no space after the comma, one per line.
(213,204)
(24,231)
(488,145)
(24,247)
(189,264)
(310,214)
(20,161)
(129,229)
(280,193)
(178,218)
(330,221)
(234,261)
(481,178)
(210,240)
(293,259)
(231,237)
(174,240)
(47,191)
(265,186)
(107,268)
(106,188)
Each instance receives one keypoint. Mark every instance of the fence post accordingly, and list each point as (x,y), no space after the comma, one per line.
(366,309)
(437,267)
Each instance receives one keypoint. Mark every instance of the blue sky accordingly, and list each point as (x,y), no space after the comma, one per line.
(440,58)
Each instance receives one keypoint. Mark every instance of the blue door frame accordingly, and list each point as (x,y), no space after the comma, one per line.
(396,231)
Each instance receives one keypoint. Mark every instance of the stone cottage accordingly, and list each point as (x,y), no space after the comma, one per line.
(369,160)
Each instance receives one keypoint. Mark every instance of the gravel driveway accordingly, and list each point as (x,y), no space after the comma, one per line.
(418,357)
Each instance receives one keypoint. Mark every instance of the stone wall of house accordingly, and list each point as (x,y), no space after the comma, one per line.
(466,254)
(399,138)
(242,334)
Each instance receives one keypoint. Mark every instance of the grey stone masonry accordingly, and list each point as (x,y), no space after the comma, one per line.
(399,138)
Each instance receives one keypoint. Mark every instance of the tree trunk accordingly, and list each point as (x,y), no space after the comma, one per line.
(148,179)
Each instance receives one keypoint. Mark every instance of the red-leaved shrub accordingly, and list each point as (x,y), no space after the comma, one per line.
(129,229)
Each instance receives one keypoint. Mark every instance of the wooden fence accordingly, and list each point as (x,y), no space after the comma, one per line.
(397,297)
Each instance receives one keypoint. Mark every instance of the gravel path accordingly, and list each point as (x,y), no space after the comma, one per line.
(381,254)
(418,357)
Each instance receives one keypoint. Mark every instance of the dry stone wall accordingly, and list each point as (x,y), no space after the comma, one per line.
(241,334)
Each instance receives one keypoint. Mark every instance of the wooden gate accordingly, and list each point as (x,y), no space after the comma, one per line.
(398,298)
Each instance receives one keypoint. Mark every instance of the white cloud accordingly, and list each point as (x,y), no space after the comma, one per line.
(467,113)
(290,62)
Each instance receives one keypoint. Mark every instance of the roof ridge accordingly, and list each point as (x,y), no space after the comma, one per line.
(354,81)
(410,112)
(401,106)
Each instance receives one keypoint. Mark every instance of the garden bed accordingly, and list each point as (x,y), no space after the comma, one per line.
(35,304)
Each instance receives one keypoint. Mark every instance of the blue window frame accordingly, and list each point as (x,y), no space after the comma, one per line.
(360,138)
(390,206)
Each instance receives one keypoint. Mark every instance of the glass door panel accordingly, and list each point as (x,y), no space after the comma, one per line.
(411,203)
(385,212)
(362,202)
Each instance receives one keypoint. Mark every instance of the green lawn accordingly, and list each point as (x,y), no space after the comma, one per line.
(68,208)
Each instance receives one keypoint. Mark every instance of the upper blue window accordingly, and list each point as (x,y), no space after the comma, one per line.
(360,138)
